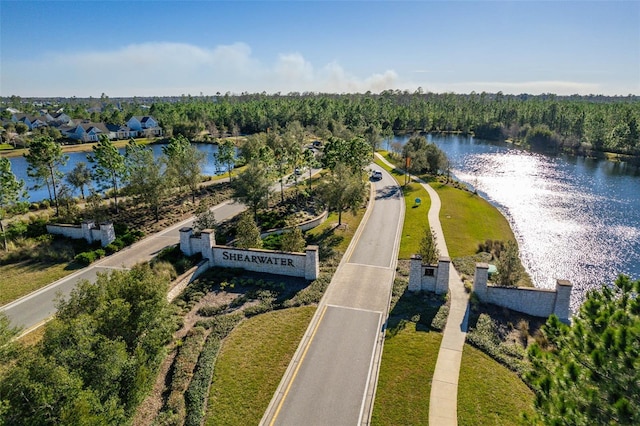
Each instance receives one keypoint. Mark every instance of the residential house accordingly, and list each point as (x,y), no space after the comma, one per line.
(60,118)
(120,131)
(85,131)
(31,121)
(144,126)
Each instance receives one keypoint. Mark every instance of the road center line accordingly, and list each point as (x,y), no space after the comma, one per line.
(295,372)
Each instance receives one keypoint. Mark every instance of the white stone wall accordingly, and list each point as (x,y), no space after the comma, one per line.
(304,226)
(69,231)
(532,301)
(87,230)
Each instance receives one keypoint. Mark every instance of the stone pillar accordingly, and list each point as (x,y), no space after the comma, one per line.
(562,307)
(87,226)
(312,263)
(415,273)
(480,279)
(107,233)
(442,278)
(185,240)
(207,241)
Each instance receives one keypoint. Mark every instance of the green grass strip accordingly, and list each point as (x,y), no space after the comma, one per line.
(489,393)
(406,372)
(416,221)
(251,363)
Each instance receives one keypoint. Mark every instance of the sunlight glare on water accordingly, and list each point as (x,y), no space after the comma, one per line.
(574,218)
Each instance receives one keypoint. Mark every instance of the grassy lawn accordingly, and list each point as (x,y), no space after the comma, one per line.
(416,221)
(489,393)
(404,383)
(251,363)
(20,279)
(341,236)
(468,219)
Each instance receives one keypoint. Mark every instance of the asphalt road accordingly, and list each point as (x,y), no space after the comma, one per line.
(331,380)
(37,307)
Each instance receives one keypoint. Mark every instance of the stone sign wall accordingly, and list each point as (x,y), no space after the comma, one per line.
(306,265)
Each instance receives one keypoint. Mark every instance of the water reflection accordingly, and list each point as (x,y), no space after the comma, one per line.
(19,166)
(574,218)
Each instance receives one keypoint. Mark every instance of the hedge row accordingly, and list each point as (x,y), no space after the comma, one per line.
(182,371)
(198,391)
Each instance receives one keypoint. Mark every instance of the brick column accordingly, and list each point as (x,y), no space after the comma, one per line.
(87,226)
(185,240)
(563,298)
(207,241)
(107,233)
(415,273)
(442,278)
(480,279)
(311,263)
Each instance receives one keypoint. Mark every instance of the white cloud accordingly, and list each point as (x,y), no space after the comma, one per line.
(164,68)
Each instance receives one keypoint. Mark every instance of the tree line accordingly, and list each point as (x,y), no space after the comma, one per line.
(575,124)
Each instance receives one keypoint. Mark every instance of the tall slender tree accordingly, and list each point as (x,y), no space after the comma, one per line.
(79,177)
(253,186)
(226,155)
(343,190)
(108,165)
(184,164)
(45,158)
(11,191)
(146,177)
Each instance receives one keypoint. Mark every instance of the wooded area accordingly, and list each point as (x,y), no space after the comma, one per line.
(576,124)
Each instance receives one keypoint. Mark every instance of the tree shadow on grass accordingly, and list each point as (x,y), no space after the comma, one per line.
(421,308)
(326,241)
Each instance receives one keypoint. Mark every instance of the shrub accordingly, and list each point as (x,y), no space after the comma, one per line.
(210,311)
(85,258)
(182,371)
(111,248)
(485,337)
(99,253)
(37,226)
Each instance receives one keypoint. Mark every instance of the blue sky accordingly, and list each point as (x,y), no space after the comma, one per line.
(148,48)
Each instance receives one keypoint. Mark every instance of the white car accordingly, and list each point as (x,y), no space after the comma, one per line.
(376,175)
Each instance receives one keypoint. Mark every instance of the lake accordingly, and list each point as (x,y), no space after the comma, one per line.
(19,166)
(574,218)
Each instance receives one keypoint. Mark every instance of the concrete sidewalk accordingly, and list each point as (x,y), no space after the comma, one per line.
(443,405)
